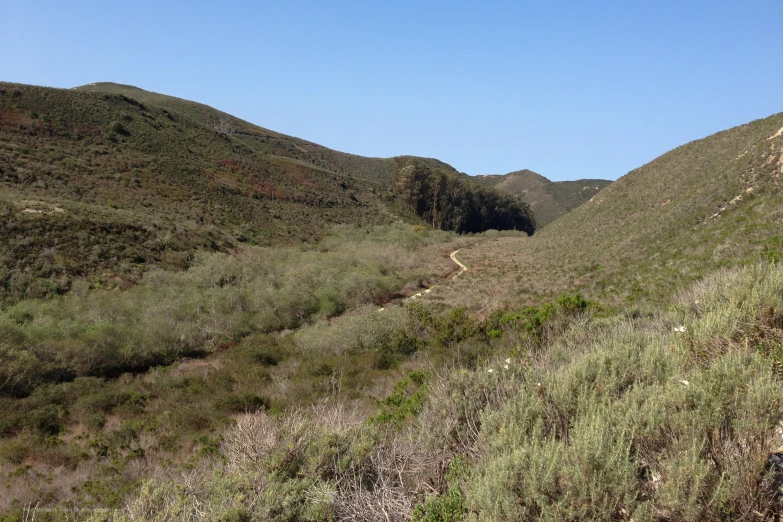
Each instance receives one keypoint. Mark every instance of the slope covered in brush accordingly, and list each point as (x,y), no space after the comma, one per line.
(563,412)
(261,140)
(711,203)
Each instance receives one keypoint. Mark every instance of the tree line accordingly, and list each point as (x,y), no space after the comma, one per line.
(448,201)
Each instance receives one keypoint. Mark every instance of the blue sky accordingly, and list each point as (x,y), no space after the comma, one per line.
(568,89)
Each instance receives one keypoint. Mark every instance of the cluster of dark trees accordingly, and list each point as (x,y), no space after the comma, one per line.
(449,201)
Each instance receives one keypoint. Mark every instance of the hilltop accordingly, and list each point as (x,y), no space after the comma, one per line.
(105,181)
(711,203)
(548,199)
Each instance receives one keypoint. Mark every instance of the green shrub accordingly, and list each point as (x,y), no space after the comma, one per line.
(270,353)
(16,450)
(243,402)
(118,128)
(44,421)
(449,506)
(405,402)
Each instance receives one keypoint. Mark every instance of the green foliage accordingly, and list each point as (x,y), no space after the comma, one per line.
(118,128)
(629,423)
(455,326)
(219,300)
(268,352)
(401,346)
(532,326)
(617,416)
(404,403)
(242,402)
(772,249)
(450,506)
(450,202)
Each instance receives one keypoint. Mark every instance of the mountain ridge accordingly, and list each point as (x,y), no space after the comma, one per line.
(373,168)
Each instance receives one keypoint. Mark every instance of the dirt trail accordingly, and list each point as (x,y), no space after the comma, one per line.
(462,269)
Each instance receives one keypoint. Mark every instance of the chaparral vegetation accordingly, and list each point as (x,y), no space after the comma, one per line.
(201,319)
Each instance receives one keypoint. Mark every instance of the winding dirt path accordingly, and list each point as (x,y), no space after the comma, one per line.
(462,269)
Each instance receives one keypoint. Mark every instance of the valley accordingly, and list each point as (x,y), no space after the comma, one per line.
(203,319)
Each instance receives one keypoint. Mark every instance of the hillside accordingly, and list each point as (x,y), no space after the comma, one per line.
(548,199)
(105,181)
(710,203)
(263,140)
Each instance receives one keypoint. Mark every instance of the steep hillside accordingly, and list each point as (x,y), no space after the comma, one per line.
(263,140)
(105,181)
(548,199)
(711,203)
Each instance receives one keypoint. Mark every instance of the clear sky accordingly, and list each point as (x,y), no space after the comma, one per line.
(568,89)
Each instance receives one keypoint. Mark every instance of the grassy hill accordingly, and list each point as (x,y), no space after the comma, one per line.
(105,181)
(263,140)
(548,199)
(711,203)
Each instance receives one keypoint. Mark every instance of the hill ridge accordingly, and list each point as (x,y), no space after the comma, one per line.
(548,199)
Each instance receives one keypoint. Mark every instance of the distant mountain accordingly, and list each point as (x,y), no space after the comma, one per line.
(106,180)
(548,199)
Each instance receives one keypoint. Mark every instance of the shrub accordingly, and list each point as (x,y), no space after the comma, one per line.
(118,128)
(242,403)
(449,506)
(405,402)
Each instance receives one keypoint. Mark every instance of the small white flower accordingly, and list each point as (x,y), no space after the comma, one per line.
(539,384)
(684,382)
(508,361)
(505,366)
(696,301)
(490,370)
